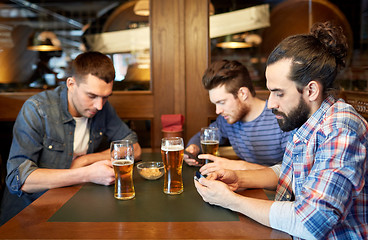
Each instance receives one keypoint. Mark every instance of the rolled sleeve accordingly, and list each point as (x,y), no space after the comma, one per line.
(282,217)
(132,136)
(18,176)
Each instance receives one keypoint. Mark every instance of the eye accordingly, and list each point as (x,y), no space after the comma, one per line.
(91,96)
(279,94)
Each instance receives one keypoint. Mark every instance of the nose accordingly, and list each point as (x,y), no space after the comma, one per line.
(98,103)
(271,103)
(219,110)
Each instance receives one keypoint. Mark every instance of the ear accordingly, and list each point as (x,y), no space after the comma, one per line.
(243,93)
(70,82)
(312,91)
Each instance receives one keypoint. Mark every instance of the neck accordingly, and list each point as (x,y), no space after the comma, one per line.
(256,107)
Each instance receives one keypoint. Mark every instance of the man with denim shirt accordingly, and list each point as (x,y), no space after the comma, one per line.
(322,190)
(57,135)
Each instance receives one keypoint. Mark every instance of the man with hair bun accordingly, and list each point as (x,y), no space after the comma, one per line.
(322,190)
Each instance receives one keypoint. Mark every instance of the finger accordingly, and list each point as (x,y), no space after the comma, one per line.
(209,157)
(203,181)
(212,176)
(209,168)
(191,162)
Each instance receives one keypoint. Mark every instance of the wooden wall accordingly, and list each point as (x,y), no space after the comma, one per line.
(179,56)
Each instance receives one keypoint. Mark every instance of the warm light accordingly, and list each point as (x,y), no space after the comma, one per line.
(44,42)
(141,8)
(233,45)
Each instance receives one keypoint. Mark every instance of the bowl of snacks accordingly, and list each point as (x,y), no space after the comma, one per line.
(151,170)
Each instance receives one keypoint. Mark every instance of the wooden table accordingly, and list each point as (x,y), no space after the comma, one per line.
(47,217)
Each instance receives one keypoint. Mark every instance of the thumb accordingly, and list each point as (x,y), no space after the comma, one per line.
(205,182)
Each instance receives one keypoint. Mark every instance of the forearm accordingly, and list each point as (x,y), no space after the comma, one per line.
(44,179)
(91,158)
(257,209)
(260,178)
(251,166)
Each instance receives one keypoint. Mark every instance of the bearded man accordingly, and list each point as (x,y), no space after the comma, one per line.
(243,120)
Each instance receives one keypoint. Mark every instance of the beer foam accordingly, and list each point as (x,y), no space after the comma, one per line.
(122,162)
(172,148)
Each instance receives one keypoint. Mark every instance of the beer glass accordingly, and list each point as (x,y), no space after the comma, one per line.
(172,153)
(210,141)
(122,157)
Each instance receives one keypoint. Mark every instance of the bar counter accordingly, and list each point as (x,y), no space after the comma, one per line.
(90,211)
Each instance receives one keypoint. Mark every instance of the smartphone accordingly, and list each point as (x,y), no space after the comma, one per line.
(200,161)
(198,175)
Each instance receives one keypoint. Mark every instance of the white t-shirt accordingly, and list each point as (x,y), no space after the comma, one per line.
(81,136)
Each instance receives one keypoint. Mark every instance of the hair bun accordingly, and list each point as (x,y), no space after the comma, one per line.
(334,40)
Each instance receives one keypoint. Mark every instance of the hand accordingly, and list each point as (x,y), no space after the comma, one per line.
(228,177)
(214,192)
(193,149)
(224,163)
(101,172)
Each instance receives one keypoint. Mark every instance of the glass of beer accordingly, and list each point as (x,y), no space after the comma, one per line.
(172,153)
(122,158)
(210,141)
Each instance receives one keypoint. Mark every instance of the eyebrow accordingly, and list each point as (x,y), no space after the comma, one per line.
(90,93)
(220,100)
(276,90)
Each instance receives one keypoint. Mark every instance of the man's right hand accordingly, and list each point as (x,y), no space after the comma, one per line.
(193,149)
(101,172)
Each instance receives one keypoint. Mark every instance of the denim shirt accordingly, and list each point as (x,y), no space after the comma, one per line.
(43,136)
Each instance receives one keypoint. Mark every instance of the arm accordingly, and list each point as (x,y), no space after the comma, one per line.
(100,172)
(224,163)
(88,159)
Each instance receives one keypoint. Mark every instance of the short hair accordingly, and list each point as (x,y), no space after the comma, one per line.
(232,74)
(94,63)
(318,56)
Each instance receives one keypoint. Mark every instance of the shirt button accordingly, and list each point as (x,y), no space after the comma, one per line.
(70,133)
(100,133)
(288,196)
(50,146)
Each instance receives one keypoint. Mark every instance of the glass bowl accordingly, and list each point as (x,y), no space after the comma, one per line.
(151,170)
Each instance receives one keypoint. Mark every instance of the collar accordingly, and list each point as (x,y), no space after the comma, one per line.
(66,116)
(306,130)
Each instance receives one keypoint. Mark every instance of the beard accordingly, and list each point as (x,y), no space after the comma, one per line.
(295,119)
(242,111)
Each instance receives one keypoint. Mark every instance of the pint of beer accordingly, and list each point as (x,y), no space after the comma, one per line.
(172,153)
(210,141)
(122,157)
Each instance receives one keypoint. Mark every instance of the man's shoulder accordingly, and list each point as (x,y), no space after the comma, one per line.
(48,96)
(344,115)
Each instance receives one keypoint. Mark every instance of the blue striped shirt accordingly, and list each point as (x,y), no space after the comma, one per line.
(259,141)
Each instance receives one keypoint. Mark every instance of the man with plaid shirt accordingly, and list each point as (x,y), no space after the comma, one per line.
(322,190)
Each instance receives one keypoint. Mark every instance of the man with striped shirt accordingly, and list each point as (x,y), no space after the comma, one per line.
(243,120)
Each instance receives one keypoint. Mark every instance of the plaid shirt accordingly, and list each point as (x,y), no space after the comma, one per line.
(327,157)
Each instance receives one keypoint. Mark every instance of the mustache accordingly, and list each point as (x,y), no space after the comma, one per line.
(277,112)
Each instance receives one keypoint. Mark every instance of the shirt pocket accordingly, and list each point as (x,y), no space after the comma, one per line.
(53,145)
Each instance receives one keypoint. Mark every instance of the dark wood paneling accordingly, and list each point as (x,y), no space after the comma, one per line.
(198,106)
(169,69)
